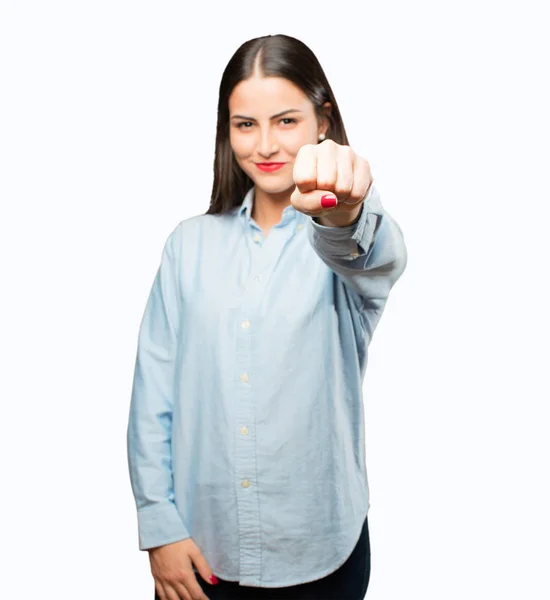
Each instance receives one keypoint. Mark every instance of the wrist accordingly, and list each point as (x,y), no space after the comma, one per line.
(341,219)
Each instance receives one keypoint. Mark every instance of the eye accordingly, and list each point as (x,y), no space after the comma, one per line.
(240,125)
(289,120)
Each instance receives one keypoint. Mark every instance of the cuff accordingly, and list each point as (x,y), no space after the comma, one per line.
(352,240)
(159,525)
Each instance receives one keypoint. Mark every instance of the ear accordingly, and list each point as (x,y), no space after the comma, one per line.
(324,121)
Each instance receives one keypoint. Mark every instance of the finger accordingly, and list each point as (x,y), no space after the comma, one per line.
(327,166)
(362,180)
(202,567)
(159,591)
(345,158)
(174,592)
(183,591)
(191,586)
(305,168)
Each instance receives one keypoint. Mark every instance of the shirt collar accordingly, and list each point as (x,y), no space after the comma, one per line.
(245,210)
(247,204)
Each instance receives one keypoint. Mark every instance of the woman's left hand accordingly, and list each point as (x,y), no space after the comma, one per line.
(330,169)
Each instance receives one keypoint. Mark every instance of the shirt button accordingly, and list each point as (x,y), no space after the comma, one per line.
(245,324)
(257,238)
(257,278)
(300,226)
(244,429)
(244,377)
(354,254)
(245,483)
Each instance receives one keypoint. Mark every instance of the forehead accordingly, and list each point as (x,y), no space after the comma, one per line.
(267,95)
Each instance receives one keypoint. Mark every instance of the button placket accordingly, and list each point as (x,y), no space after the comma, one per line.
(245,432)
(263,258)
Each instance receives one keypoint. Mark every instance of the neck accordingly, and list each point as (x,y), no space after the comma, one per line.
(268,208)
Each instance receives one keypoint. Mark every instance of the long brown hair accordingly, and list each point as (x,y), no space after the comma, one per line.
(278,56)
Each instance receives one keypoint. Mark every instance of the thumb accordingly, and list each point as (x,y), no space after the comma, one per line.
(204,568)
(314,203)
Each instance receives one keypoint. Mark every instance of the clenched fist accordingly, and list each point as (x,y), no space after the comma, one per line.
(331,182)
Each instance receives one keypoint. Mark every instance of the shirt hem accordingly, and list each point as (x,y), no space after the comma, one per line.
(325,573)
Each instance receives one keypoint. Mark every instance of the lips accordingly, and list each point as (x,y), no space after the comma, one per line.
(269,166)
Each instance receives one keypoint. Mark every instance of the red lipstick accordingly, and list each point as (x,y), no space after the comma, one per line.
(271,166)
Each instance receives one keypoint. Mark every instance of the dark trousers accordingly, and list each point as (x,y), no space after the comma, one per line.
(349,582)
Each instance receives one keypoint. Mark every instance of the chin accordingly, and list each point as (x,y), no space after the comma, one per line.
(273,186)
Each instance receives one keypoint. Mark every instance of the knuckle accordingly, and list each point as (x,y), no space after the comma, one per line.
(305,149)
(346,150)
(342,190)
(305,181)
(182,575)
(325,184)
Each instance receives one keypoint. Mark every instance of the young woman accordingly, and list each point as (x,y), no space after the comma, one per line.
(246,430)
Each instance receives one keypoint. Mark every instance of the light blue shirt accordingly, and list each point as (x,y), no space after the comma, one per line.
(246,422)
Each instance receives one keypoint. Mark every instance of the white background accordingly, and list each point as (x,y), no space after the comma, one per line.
(107,123)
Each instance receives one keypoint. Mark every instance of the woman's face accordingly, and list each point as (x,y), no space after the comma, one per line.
(270,120)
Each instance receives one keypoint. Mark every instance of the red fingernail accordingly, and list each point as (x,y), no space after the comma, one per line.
(214,579)
(328,201)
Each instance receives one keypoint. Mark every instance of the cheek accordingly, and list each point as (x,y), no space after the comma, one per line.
(298,138)
(241,145)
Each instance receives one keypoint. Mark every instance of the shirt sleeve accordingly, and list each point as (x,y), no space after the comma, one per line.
(369,256)
(151,407)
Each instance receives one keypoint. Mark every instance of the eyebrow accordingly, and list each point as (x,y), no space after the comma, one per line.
(273,117)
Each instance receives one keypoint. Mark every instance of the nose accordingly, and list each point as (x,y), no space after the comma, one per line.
(267,144)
